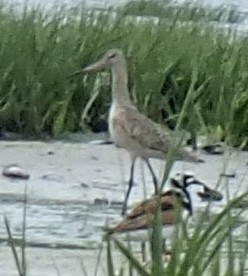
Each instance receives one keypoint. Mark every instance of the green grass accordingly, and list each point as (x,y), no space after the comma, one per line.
(20,261)
(190,76)
(165,60)
(210,248)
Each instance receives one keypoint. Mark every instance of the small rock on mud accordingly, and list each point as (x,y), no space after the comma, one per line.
(94,158)
(100,201)
(215,149)
(84,185)
(115,203)
(52,177)
(14,171)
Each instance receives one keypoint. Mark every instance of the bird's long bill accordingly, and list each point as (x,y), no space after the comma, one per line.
(75,74)
(97,66)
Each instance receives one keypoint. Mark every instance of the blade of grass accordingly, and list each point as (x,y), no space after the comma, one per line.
(110,265)
(205,235)
(156,242)
(83,268)
(12,245)
(128,254)
(98,259)
(23,246)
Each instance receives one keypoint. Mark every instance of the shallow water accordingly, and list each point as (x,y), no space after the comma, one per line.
(57,225)
(240,4)
(50,6)
(77,190)
(62,206)
(68,181)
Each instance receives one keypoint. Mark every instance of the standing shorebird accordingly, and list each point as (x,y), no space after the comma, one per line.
(128,127)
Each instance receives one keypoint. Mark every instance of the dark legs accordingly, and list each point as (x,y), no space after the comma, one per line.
(155,182)
(143,252)
(154,178)
(124,207)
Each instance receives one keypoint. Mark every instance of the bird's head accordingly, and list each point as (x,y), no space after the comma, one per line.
(185,180)
(181,183)
(107,61)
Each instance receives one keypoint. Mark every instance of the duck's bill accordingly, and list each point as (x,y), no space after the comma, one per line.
(210,195)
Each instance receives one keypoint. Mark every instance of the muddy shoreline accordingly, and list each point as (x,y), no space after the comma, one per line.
(75,189)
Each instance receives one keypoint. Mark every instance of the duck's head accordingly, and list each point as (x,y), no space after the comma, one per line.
(185,180)
(107,61)
(182,181)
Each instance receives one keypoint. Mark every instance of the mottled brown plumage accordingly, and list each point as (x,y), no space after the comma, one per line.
(145,138)
(168,200)
(142,215)
(144,221)
(128,127)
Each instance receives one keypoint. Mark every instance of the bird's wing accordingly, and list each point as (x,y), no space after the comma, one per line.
(148,206)
(143,130)
(143,221)
(148,134)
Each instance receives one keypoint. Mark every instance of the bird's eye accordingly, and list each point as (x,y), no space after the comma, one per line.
(112,56)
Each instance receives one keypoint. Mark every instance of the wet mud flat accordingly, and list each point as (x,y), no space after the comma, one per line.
(75,190)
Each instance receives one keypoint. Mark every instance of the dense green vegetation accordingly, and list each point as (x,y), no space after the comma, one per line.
(210,249)
(166,60)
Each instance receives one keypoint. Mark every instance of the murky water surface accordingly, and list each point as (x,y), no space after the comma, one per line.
(63,225)
(50,6)
(240,4)
(77,189)
(62,207)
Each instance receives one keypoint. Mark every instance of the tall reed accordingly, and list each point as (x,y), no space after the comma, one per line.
(39,51)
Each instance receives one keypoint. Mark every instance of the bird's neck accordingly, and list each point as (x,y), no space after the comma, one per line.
(120,92)
(188,203)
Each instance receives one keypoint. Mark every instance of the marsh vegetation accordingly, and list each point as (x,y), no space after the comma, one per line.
(166,59)
(176,63)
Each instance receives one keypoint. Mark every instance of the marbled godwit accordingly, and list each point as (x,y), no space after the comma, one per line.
(128,127)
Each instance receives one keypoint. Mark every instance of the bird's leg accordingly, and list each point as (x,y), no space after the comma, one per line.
(143,252)
(194,139)
(130,185)
(154,178)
